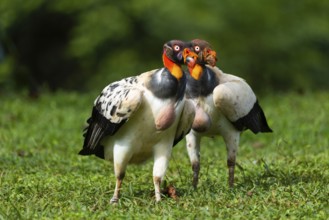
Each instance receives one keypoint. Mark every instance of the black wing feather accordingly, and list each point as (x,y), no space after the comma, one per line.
(180,137)
(255,120)
(98,127)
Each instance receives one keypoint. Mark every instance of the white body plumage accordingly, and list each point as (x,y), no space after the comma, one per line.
(131,123)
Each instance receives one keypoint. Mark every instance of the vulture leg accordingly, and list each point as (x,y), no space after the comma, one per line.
(193,149)
(120,161)
(161,159)
(116,194)
(231,139)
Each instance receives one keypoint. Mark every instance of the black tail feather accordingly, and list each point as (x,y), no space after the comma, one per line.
(255,120)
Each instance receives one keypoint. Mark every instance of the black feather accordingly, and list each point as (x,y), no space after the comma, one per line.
(180,137)
(98,128)
(167,86)
(255,120)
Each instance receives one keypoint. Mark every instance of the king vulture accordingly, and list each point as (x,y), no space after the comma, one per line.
(141,117)
(225,105)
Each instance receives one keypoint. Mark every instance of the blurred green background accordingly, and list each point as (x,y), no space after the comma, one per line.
(83,45)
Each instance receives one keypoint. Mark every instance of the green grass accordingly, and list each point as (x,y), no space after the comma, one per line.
(283,175)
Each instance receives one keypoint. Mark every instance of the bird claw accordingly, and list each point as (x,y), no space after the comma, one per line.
(114,201)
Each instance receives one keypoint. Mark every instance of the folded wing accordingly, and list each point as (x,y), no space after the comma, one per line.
(112,108)
(236,100)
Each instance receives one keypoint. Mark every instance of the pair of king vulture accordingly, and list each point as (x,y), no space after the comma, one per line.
(144,116)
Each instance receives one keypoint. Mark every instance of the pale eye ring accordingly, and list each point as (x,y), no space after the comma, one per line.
(196,48)
(176,48)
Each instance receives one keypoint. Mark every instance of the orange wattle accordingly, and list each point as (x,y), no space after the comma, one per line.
(196,71)
(173,68)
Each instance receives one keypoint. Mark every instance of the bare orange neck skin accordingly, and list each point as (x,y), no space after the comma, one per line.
(173,68)
(196,71)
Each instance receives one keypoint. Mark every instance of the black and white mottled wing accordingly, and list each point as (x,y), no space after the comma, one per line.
(112,108)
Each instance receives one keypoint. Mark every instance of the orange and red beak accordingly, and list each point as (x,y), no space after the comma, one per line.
(190,57)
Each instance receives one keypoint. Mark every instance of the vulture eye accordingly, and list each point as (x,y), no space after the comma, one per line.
(176,48)
(197,48)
